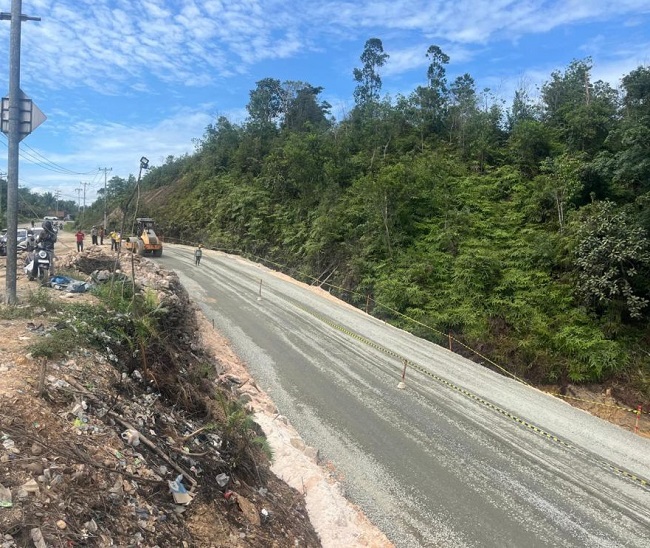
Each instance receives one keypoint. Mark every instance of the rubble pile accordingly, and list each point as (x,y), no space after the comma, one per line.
(114,454)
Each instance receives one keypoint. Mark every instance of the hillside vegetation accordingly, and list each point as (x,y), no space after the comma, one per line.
(519,229)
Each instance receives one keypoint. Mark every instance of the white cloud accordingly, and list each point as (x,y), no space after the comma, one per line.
(115,145)
(95,60)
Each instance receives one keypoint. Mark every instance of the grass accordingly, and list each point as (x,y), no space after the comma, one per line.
(37,301)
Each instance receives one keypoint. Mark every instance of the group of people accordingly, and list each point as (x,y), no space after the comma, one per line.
(48,237)
(97,238)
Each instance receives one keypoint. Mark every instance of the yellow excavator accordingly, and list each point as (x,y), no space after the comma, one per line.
(146,240)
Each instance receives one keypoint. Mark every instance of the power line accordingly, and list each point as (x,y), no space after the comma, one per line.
(36,158)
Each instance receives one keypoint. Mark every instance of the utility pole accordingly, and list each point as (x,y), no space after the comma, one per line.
(78,191)
(13,136)
(84,187)
(57,194)
(105,170)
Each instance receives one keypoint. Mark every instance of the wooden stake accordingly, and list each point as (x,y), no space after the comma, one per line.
(41,378)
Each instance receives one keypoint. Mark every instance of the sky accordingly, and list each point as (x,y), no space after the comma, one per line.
(122,79)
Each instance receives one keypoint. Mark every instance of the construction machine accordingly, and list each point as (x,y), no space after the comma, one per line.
(146,240)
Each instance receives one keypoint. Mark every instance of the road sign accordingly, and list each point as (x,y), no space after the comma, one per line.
(30,116)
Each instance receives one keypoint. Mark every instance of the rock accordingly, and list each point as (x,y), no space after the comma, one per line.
(35,468)
(37,538)
(298,443)
(248,509)
(37,449)
(29,487)
(311,453)
(270,408)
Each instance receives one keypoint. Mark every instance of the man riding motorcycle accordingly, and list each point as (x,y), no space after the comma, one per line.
(45,240)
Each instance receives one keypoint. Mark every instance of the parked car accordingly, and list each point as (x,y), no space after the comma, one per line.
(21,241)
(30,242)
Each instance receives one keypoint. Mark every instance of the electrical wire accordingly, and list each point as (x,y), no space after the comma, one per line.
(34,157)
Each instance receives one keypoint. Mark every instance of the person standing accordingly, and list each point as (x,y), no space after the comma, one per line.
(93,235)
(198,254)
(80,240)
(112,236)
(101,235)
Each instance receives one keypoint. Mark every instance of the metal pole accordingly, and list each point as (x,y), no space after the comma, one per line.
(13,138)
(2,176)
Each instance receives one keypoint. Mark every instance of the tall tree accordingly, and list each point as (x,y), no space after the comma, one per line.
(367,77)
(432,98)
(219,144)
(580,110)
(629,168)
(562,181)
(637,93)
(305,111)
(463,97)
(266,102)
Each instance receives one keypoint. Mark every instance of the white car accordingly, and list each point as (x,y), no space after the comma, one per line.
(21,240)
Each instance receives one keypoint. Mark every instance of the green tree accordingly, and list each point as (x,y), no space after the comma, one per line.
(636,101)
(265,102)
(562,181)
(432,98)
(581,111)
(627,162)
(529,143)
(367,77)
(305,112)
(463,107)
(611,254)
(522,109)
(219,145)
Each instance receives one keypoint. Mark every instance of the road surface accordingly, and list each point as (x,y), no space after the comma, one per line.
(460,457)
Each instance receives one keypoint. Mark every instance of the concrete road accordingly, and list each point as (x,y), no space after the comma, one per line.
(460,457)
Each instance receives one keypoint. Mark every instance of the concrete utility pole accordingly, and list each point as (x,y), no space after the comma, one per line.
(84,187)
(57,195)
(13,137)
(78,191)
(105,170)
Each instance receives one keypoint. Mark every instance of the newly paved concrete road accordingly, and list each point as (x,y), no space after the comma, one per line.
(461,457)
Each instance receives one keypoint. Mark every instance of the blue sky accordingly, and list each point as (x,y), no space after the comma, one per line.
(121,79)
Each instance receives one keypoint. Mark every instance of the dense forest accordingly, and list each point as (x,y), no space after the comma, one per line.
(519,229)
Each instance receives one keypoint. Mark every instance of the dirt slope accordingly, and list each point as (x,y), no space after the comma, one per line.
(71,474)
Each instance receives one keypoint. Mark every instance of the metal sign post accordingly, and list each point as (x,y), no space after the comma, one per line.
(14,117)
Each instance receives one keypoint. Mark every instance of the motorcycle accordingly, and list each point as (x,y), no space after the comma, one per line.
(43,261)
